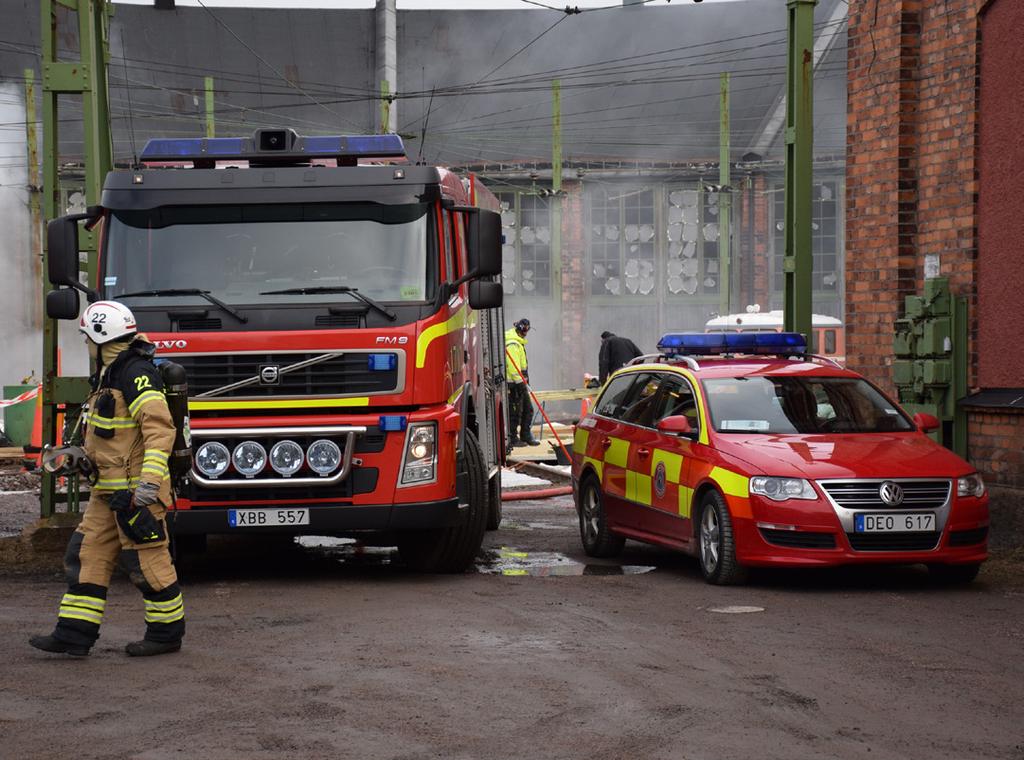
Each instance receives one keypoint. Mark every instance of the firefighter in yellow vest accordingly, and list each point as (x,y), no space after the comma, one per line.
(129,435)
(517,375)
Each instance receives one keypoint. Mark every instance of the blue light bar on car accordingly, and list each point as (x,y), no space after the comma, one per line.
(381,362)
(278,145)
(392,423)
(709,344)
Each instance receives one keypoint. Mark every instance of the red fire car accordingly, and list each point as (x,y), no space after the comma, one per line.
(744,450)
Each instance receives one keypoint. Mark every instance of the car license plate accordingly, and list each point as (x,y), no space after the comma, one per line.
(267,518)
(894,522)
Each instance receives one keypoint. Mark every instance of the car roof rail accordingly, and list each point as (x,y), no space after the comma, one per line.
(821,358)
(662,358)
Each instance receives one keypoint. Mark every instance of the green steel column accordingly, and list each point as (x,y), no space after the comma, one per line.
(385,105)
(210,129)
(87,77)
(798,261)
(724,202)
(35,207)
(556,216)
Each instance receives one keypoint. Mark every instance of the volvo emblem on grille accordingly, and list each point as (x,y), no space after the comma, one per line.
(270,374)
(890,493)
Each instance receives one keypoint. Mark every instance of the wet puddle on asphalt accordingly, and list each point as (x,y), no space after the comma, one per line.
(511,561)
(506,560)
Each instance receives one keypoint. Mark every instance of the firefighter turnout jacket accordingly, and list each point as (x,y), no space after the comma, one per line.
(515,347)
(129,430)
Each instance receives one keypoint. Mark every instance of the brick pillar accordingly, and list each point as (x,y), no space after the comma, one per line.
(574,285)
(881,168)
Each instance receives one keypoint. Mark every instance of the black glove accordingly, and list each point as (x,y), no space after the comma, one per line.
(135,521)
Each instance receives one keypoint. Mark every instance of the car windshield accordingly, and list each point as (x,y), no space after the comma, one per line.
(238,252)
(777,404)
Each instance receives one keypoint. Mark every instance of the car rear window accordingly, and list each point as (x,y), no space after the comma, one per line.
(807,404)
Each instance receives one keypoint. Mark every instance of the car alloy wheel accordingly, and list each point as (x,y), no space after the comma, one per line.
(710,537)
(597,538)
(717,543)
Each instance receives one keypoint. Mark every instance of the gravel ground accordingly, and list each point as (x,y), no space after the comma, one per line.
(333,651)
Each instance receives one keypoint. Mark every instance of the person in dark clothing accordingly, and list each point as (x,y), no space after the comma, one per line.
(615,352)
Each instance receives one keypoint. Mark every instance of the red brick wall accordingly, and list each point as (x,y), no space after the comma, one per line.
(1001,202)
(910,163)
(996,446)
(915,145)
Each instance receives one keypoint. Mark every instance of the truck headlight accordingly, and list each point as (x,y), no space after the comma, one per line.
(781,489)
(212,459)
(972,485)
(286,457)
(249,458)
(323,456)
(419,462)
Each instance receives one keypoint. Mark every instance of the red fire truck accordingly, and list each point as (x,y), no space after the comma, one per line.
(337,311)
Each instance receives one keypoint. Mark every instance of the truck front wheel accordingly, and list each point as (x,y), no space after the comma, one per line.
(452,550)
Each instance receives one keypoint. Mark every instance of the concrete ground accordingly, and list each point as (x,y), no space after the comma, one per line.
(330,651)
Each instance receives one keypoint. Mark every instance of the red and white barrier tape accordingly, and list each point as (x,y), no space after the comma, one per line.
(26,396)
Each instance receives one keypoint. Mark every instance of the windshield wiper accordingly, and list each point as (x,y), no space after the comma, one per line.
(354,292)
(189,292)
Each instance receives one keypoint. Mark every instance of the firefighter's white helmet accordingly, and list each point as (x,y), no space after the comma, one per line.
(105,321)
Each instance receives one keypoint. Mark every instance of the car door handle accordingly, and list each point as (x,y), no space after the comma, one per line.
(606,442)
(643,453)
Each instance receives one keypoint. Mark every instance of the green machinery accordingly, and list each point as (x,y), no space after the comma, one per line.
(930,371)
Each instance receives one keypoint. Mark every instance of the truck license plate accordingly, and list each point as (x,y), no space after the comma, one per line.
(267,518)
(894,522)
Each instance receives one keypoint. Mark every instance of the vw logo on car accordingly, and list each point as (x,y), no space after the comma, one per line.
(890,493)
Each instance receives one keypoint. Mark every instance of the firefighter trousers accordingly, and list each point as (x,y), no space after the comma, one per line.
(520,411)
(95,549)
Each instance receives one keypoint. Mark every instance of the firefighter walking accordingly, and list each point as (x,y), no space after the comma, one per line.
(517,375)
(129,436)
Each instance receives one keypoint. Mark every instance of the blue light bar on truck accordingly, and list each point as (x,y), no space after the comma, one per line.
(392,423)
(273,145)
(709,344)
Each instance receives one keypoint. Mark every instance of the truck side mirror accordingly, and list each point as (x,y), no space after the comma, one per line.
(62,251)
(62,304)
(484,243)
(485,295)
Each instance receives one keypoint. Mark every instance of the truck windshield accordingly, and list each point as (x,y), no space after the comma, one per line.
(236,253)
(766,404)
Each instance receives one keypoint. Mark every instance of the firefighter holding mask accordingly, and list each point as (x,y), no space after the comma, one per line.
(129,436)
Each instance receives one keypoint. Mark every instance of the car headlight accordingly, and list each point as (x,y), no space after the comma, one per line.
(249,458)
(972,485)
(323,456)
(286,457)
(781,489)
(212,459)
(420,453)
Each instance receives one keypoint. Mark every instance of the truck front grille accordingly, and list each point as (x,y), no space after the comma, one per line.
(341,375)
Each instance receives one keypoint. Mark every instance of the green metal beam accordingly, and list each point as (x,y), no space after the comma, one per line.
(86,76)
(724,202)
(210,127)
(798,261)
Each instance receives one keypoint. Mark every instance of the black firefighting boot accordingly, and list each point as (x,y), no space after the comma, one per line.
(147,648)
(53,644)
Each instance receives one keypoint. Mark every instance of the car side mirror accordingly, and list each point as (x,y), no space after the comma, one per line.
(925,422)
(484,249)
(62,304)
(677,424)
(484,294)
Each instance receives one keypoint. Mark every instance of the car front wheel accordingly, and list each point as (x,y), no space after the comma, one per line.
(598,540)
(716,543)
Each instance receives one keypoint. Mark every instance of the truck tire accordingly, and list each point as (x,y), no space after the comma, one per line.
(494,501)
(452,550)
